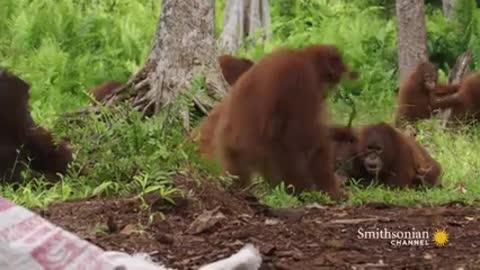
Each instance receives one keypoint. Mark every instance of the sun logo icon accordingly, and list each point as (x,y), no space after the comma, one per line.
(440,237)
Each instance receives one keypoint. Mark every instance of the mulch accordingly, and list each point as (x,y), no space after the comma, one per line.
(210,223)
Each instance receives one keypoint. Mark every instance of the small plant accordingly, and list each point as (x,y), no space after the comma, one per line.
(281,197)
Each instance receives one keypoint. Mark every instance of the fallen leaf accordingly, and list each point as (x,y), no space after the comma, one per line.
(455,223)
(128,229)
(272,221)
(427,256)
(340,214)
(205,221)
(338,244)
(315,206)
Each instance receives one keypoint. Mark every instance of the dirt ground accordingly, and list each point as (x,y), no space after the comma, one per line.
(212,224)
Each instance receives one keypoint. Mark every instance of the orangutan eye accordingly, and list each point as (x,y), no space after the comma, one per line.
(374,148)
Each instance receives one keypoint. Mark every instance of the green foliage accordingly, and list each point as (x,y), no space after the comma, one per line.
(367,40)
(366,32)
(467,19)
(123,155)
(63,47)
(444,44)
(281,197)
(219,5)
(285,9)
(448,38)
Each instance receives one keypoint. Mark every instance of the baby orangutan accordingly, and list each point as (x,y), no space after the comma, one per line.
(418,93)
(395,159)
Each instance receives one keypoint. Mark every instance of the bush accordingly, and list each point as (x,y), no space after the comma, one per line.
(63,47)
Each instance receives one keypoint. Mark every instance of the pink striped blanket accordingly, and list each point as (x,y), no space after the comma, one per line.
(29,242)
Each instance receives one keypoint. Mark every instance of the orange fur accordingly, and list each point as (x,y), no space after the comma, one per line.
(395,159)
(464,102)
(414,96)
(21,139)
(104,90)
(274,122)
(233,67)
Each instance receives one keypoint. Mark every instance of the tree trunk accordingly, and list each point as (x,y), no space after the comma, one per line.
(447,6)
(255,17)
(233,27)
(242,19)
(259,19)
(266,19)
(412,37)
(246,17)
(461,68)
(184,46)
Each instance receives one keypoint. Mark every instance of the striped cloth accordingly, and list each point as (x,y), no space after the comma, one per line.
(29,242)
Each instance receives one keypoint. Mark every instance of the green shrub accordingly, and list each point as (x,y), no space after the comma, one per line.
(63,47)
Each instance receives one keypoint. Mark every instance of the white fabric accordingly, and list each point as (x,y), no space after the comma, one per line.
(29,242)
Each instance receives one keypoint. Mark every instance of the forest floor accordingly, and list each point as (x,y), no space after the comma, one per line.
(313,237)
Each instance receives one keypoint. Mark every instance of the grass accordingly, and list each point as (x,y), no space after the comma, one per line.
(63,47)
(457,151)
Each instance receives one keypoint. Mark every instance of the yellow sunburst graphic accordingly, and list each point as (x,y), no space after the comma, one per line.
(440,237)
